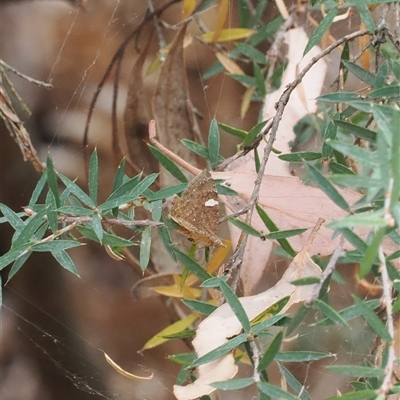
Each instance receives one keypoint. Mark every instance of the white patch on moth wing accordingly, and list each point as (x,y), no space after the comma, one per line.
(211,203)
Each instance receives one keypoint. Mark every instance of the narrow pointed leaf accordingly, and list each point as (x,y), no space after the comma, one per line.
(168,164)
(213,143)
(322,27)
(233,384)
(327,187)
(372,320)
(65,260)
(93,176)
(275,392)
(235,305)
(271,352)
(52,179)
(192,265)
(221,350)
(330,313)
(145,247)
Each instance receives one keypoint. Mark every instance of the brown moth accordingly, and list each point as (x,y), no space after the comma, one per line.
(197,211)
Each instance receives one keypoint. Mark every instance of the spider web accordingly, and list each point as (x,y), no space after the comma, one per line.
(73,350)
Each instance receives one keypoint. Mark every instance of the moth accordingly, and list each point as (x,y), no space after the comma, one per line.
(197,211)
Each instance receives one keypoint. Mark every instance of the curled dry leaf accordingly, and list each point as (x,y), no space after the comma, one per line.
(170,105)
(136,116)
(124,373)
(222,324)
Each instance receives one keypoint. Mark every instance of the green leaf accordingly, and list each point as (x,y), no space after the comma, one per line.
(9,257)
(19,262)
(301,356)
(337,168)
(156,210)
(167,242)
(13,219)
(372,220)
(32,224)
(356,181)
(297,387)
(340,97)
(230,129)
(77,191)
(65,261)
(52,179)
(235,305)
(244,227)
(329,134)
(360,73)
(233,384)
(356,130)
(361,155)
(372,320)
(253,133)
(273,228)
(395,164)
(192,265)
(275,392)
(97,226)
(345,56)
(327,187)
(168,164)
(260,81)
(93,176)
(271,352)
(145,247)
(266,31)
(51,212)
(125,188)
(213,143)
(330,313)
(357,371)
(198,149)
(55,245)
(38,190)
(366,17)
(387,92)
(320,30)
(258,328)
(200,306)
(167,192)
(213,282)
(108,239)
(350,312)
(119,176)
(133,194)
(297,319)
(309,280)
(251,52)
(370,255)
(300,156)
(284,234)
(360,395)
(221,350)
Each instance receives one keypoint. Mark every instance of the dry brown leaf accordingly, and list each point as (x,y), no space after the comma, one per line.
(222,324)
(170,105)
(136,116)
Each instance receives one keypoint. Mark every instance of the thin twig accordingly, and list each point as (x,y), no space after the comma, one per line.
(256,360)
(26,77)
(387,299)
(328,270)
(111,221)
